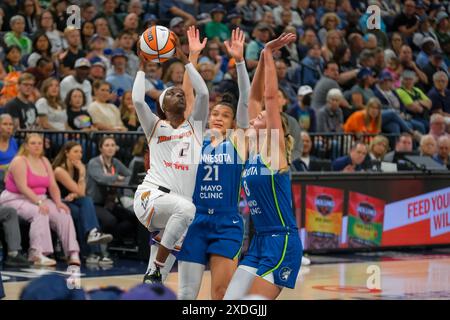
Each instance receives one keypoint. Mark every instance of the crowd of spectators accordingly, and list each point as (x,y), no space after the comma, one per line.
(340,78)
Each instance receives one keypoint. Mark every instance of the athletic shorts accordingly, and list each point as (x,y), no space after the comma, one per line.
(220,234)
(279,253)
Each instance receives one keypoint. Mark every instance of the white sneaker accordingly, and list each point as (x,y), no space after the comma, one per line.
(305,261)
(105,261)
(41,260)
(96,237)
(92,259)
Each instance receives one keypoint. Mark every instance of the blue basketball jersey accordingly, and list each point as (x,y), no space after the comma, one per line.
(217,187)
(268,196)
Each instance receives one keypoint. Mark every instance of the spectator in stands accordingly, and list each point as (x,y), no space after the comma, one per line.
(332,41)
(97,46)
(13,61)
(70,174)
(138,152)
(98,70)
(262,34)
(437,126)
(394,68)
(310,69)
(302,110)
(407,63)
(47,25)
(285,6)
(353,161)
(119,80)
(327,82)
(417,104)
(378,148)
(303,163)
(131,25)
(87,32)
(105,170)
(171,8)
(380,61)
(59,11)
(427,47)
(442,24)
(327,6)
(30,10)
(44,69)
(216,29)
(212,55)
(443,154)
(286,22)
(174,75)
(50,107)
(293,125)
(329,21)
(435,65)
(128,112)
(306,41)
(10,221)
(21,109)
(78,80)
(135,7)
(9,9)
(126,42)
(404,144)
(29,178)
(177,26)
(367,120)
(74,52)
(8,144)
(428,146)
(365,80)
(153,83)
(105,116)
(207,71)
(407,23)
(356,45)
(440,95)
(114,22)
(330,117)
(347,71)
(283,83)
(42,48)
(77,117)
(17,36)
(88,12)
(102,28)
(269,19)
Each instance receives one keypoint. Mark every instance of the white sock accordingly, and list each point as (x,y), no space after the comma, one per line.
(13,254)
(190,276)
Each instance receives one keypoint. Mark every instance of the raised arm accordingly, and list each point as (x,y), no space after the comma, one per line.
(195,48)
(236,49)
(273,115)
(201,104)
(146,117)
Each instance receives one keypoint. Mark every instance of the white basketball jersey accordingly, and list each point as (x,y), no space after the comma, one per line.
(174,157)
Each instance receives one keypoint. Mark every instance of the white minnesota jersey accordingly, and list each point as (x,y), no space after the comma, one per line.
(174,157)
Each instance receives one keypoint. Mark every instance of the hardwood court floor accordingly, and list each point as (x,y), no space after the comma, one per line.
(420,277)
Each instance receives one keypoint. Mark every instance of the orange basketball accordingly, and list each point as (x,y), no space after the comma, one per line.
(157,44)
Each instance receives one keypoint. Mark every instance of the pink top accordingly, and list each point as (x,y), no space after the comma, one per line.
(39,184)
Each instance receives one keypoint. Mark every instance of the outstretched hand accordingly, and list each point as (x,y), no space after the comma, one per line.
(281,41)
(195,46)
(235,46)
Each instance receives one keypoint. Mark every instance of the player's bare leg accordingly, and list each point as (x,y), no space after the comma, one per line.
(222,270)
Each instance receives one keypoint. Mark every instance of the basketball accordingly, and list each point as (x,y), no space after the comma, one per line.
(157,44)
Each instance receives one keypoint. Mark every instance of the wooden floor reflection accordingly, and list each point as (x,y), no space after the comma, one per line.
(423,278)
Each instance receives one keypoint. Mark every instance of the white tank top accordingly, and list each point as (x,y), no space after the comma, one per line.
(174,157)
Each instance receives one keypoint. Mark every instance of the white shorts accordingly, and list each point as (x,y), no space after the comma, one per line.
(153,207)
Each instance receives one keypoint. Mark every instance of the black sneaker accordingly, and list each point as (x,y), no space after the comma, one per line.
(19,261)
(153,277)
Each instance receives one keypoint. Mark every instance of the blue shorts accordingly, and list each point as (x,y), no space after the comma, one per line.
(220,234)
(277,252)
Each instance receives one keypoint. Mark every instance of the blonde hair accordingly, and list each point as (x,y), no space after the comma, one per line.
(53,102)
(168,74)
(288,139)
(378,139)
(23,151)
(373,101)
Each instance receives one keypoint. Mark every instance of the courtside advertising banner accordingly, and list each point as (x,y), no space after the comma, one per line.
(424,219)
(324,209)
(365,221)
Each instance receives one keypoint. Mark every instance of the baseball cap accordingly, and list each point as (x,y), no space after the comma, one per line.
(304,90)
(437,53)
(149,292)
(118,52)
(96,36)
(408,74)
(364,72)
(82,63)
(309,12)
(51,287)
(175,21)
(441,16)
(97,61)
(385,76)
(218,8)
(264,26)
(233,14)
(427,39)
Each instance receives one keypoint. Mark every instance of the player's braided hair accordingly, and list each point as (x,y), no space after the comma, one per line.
(288,139)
